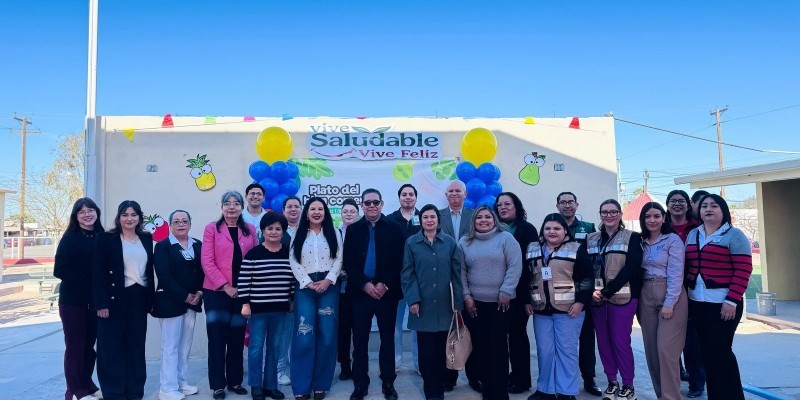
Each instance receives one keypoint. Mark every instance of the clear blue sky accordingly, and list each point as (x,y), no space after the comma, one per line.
(666,64)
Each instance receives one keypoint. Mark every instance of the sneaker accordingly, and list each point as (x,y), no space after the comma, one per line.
(188,390)
(170,396)
(611,391)
(283,378)
(626,393)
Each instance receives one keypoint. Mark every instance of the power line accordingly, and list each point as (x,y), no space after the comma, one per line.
(755,115)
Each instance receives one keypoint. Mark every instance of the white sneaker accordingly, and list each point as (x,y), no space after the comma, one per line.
(189,390)
(283,378)
(98,395)
(170,396)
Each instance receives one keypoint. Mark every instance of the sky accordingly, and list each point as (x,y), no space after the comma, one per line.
(664,64)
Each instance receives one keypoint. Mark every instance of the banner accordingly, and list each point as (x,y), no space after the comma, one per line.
(337,142)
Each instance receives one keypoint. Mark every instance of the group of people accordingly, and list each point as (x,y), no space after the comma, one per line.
(300,291)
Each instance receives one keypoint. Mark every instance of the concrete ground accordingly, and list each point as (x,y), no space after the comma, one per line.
(31,351)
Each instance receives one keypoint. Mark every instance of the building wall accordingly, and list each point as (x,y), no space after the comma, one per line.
(778,222)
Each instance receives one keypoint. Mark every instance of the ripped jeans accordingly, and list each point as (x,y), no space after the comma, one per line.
(313,356)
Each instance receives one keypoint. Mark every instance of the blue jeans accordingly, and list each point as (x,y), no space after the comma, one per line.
(402,316)
(286,343)
(265,328)
(557,352)
(313,357)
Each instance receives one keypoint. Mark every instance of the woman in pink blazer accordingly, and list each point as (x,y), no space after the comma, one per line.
(224,243)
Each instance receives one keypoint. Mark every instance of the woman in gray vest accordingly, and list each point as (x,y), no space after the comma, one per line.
(560,287)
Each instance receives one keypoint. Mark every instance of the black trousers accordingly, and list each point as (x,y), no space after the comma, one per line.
(80,333)
(121,367)
(489,331)
(471,367)
(345,333)
(432,366)
(519,346)
(586,349)
(716,343)
(693,358)
(225,328)
(385,310)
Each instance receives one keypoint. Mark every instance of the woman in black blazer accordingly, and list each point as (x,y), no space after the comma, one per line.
(178,299)
(123,290)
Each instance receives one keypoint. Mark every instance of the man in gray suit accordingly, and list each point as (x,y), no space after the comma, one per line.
(455,213)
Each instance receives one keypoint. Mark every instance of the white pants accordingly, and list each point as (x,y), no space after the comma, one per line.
(176,342)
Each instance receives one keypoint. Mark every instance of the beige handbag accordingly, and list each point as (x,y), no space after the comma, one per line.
(459,342)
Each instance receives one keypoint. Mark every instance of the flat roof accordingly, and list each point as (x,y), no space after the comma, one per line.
(6,191)
(777,171)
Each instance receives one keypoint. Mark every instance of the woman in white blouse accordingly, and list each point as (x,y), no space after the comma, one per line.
(316,259)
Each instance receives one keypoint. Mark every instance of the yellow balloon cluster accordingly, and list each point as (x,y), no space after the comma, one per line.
(274,144)
(479,146)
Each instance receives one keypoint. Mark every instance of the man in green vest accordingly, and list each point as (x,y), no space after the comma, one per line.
(567,204)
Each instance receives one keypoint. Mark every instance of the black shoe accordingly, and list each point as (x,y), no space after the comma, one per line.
(319,395)
(238,389)
(388,391)
(275,394)
(346,373)
(476,386)
(684,376)
(566,397)
(449,386)
(258,393)
(516,389)
(358,394)
(590,387)
(219,394)
(694,393)
(302,397)
(537,395)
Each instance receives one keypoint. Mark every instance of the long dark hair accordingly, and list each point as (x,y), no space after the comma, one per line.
(239,222)
(723,205)
(619,208)
(302,230)
(666,227)
(137,209)
(555,217)
(74,225)
(522,215)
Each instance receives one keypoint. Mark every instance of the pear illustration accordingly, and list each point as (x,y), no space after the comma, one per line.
(530,172)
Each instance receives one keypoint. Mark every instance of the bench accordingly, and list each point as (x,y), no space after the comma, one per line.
(44,276)
(52,297)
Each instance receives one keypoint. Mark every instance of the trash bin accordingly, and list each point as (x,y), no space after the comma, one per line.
(766,303)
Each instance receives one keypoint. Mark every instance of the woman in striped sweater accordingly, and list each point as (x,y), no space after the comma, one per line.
(718,268)
(266,289)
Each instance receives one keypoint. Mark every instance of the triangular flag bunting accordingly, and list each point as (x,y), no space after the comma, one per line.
(286,117)
(211,120)
(129,134)
(529,121)
(167,123)
(249,118)
(575,124)
(362,117)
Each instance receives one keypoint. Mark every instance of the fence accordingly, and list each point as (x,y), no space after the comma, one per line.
(34,247)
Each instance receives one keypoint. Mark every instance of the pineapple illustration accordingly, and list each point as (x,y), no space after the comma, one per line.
(201,172)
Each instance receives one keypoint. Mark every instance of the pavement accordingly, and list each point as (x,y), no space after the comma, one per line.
(31,353)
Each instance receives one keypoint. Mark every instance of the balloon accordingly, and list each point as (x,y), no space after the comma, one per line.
(478,146)
(259,170)
(293,170)
(267,203)
(277,202)
(475,188)
(280,171)
(270,187)
(465,171)
(274,144)
(497,173)
(289,187)
(487,201)
(470,203)
(486,172)
(493,189)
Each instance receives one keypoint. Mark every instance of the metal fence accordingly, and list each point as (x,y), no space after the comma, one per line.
(31,246)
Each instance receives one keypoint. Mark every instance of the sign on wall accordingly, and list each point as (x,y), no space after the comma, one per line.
(337,142)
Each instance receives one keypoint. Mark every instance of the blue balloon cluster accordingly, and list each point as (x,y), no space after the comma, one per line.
(280,180)
(482,183)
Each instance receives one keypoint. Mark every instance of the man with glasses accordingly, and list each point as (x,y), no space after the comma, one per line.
(254,196)
(373,257)
(567,205)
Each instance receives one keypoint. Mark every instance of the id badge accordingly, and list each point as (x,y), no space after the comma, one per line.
(415,220)
(580,235)
(537,298)
(565,296)
(547,273)
(598,284)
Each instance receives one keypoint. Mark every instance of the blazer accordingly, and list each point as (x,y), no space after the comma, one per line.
(446,223)
(108,271)
(389,244)
(177,278)
(217,254)
(525,234)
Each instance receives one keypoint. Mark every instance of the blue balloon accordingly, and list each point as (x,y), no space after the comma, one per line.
(485,172)
(280,171)
(277,203)
(497,173)
(465,171)
(293,170)
(487,201)
(470,203)
(493,189)
(270,187)
(267,203)
(475,188)
(259,170)
(289,187)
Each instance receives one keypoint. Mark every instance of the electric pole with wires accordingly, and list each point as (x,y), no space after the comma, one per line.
(23,132)
(717,112)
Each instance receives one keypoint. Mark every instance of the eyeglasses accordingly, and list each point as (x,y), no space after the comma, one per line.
(255,194)
(234,204)
(368,203)
(567,203)
(181,222)
(677,201)
(612,213)
(87,212)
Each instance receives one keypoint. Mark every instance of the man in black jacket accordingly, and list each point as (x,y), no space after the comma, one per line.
(373,257)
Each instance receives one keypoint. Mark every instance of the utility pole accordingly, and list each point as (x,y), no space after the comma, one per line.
(646,176)
(620,185)
(717,112)
(24,131)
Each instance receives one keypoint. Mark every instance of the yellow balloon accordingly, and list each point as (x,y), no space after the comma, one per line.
(479,146)
(274,144)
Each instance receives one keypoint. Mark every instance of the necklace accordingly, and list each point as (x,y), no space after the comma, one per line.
(134,240)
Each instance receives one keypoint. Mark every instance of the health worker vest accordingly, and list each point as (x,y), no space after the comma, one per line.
(558,290)
(609,260)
